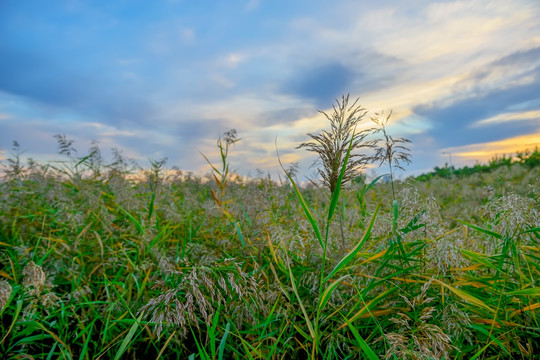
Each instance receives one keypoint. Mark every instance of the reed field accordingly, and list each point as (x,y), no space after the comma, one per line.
(98,264)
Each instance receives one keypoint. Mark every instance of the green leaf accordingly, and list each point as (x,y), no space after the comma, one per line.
(212,333)
(373,302)
(536,229)
(304,206)
(373,182)
(481,229)
(239,232)
(132,218)
(88,337)
(362,343)
(308,321)
(490,335)
(223,341)
(125,343)
(395,207)
(328,292)
(481,258)
(413,224)
(357,248)
(14,320)
(465,296)
(337,190)
(531,291)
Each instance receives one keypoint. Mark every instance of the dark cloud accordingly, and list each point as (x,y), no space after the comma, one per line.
(285,116)
(453,124)
(32,76)
(322,83)
(519,58)
(54,83)
(193,130)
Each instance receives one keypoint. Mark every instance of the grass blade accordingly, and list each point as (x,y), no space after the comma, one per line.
(480,258)
(465,296)
(527,292)
(328,292)
(362,343)
(223,341)
(357,248)
(337,190)
(308,321)
(489,335)
(373,182)
(132,218)
(370,305)
(310,217)
(125,343)
(14,320)
(481,229)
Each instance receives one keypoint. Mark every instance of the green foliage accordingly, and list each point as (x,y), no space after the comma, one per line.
(98,264)
(528,158)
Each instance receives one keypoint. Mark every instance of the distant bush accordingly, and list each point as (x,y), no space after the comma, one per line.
(529,158)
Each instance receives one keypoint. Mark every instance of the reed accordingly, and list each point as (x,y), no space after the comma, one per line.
(104,267)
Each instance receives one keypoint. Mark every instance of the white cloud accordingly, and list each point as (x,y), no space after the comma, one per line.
(510,116)
(186,34)
(252,5)
(460,33)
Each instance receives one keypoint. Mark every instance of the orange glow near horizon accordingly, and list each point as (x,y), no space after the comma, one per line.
(485,151)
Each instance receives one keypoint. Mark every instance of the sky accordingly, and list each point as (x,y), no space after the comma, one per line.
(164,79)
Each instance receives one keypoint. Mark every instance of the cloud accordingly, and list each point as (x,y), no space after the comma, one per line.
(286,116)
(487,97)
(322,83)
(471,31)
(485,151)
(533,115)
(169,78)
(36,77)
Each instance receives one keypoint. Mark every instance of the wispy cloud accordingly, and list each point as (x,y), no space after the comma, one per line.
(533,115)
(166,79)
(486,151)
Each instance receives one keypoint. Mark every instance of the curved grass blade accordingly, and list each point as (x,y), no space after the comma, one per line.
(369,305)
(373,182)
(465,296)
(328,292)
(357,248)
(528,292)
(125,343)
(481,229)
(361,342)
(337,190)
(223,341)
(480,258)
(310,217)
(132,218)
(536,229)
(14,320)
(308,321)
(492,337)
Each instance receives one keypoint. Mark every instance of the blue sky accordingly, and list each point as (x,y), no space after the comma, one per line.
(165,78)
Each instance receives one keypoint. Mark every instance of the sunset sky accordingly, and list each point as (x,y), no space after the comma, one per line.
(165,78)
